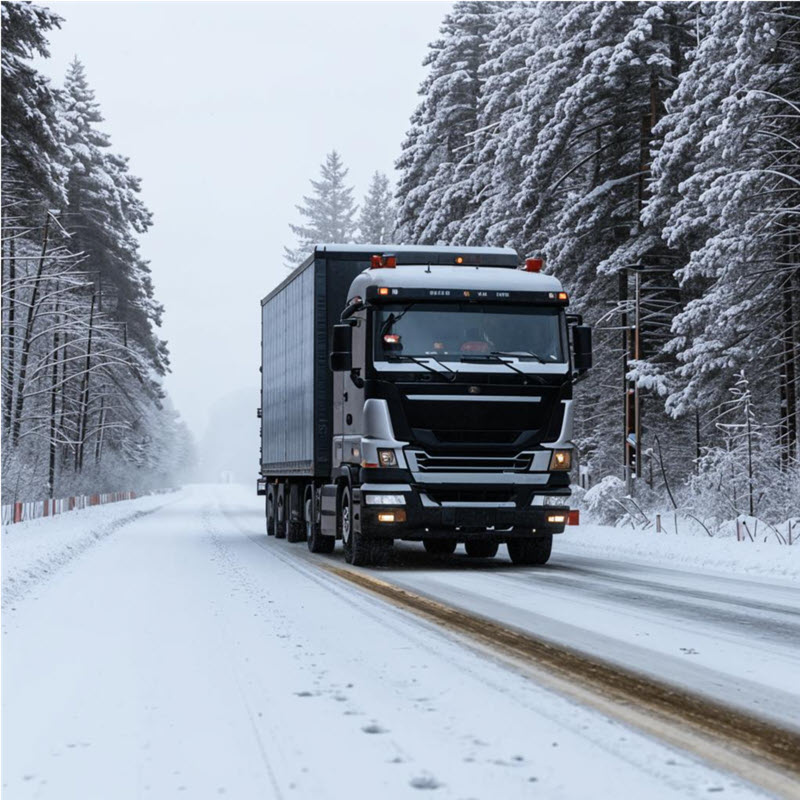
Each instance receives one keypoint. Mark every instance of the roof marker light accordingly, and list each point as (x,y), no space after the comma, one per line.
(386,261)
(533,264)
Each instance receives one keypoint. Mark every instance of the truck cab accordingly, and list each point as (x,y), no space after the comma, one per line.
(452,406)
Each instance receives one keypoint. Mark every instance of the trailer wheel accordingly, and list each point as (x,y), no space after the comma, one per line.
(481,549)
(440,547)
(532,552)
(270,511)
(359,550)
(280,511)
(295,530)
(317,543)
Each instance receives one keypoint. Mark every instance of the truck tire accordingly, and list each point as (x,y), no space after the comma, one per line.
(481,549)
(270,510)
(532,552)
(440,547)
(295,529)
(280,511)
(317,543)
(359,550)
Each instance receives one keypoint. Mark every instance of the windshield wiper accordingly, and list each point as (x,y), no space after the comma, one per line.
(518,353)
(442,375)
(493,357)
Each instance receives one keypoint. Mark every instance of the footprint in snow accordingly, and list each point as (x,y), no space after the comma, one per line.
(374,728)
(424,782)
(304,694)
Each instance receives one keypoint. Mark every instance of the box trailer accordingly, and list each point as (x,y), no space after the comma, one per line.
(419,393)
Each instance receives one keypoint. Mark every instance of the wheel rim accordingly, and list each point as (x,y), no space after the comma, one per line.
(346,519)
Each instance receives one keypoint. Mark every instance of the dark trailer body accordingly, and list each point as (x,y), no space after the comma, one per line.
(297,318)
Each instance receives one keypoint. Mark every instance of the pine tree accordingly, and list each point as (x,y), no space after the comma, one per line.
(727,192)
(376,223)
(105,214)
(31,140)
(434,191)
(329,212)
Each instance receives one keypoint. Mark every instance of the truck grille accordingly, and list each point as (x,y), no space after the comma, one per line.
(459,463)
(477,437)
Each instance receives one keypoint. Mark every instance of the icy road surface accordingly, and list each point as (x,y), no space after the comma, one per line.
(181,653)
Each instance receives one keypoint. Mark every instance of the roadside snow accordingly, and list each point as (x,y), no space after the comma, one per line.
(33,551)
(684,550)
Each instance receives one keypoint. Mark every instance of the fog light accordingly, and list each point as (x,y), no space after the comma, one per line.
(560,460)
(392,516)
(385,500)
(557,519)
(386,457)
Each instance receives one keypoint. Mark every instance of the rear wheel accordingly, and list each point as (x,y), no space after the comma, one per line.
(317,543)
(532,552)
(481,549)
(280,511)
(295,530)
(440,547)
(270,512)
(359,550)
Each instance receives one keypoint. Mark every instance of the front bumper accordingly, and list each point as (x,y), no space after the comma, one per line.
(425,518)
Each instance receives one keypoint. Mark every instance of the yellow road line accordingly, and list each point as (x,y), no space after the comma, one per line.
(758,750)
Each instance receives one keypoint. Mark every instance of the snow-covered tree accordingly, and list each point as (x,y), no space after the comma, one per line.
(31,139)
(82,405)
(727,193)
(376,221)
(329,212)
(433,194)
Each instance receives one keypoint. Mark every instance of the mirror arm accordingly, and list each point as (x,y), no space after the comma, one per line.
(356,378)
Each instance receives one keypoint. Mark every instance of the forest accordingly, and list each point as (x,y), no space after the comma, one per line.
(650,152)
(83,407)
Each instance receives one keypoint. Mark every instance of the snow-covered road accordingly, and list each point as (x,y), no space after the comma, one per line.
(185,654)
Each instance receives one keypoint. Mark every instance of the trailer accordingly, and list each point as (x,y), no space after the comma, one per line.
(418,393)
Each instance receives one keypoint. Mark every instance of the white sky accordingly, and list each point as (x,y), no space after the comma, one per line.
(226,109)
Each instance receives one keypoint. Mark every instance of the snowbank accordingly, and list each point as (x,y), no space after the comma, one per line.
(32,551)
(687,549)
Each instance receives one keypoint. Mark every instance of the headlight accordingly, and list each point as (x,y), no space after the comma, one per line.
(385,500)
(386,457)
(560,460)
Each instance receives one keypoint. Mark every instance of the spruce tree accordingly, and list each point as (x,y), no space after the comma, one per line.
(31,139)
(329,212)
(433,192)
(105,214)
(376,223)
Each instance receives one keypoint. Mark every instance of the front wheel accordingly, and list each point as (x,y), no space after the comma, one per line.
(359,550)
(440,547)
(531,552)
(481,549)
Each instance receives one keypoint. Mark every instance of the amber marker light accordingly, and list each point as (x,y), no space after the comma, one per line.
(560,460)
(384,290)
(563,296)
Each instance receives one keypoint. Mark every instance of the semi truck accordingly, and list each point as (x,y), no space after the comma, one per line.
(419,394)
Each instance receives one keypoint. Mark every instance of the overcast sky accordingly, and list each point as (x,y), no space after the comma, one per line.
(226,109)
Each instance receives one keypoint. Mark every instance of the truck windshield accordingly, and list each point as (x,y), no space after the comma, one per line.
(464,330)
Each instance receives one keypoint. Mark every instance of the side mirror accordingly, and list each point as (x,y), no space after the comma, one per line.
(341,356)
(582,347)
